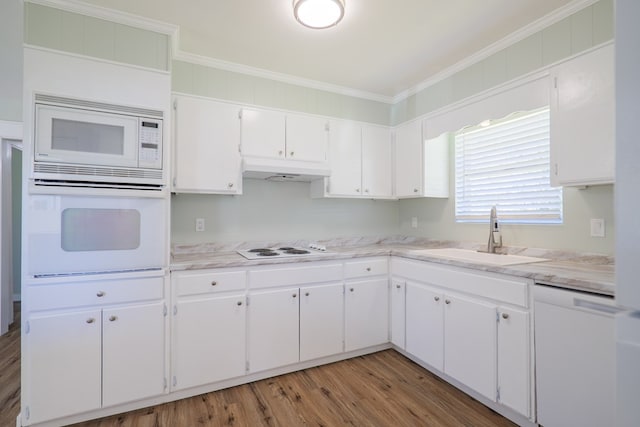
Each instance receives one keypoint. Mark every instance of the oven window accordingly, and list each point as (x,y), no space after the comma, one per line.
(98,138)
(86,229)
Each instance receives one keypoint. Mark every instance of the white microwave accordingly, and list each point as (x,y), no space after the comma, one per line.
(84,141)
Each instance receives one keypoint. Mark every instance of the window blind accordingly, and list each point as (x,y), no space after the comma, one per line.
(506,164)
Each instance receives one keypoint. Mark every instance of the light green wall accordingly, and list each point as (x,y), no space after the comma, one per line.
(215,83)
(586,28)
(11,60)
(281,211)
(71,32)
(16,204)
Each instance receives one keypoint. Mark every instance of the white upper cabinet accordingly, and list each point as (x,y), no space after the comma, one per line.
(345,159)
(582,120)
(307,138)
(276,135)
(421,166)
(263,133)
(376,161)
(207,147)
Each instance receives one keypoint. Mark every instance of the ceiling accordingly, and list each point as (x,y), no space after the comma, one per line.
(381,47)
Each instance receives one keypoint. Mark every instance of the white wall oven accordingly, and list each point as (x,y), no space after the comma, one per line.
(85,234)
(87,143)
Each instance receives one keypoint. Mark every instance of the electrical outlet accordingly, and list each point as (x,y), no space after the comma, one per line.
(414,222)
(199,224)
(597,227)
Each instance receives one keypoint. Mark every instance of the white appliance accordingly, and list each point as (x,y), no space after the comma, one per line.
(575,357)
(627,206)
(87,141)
(81,234)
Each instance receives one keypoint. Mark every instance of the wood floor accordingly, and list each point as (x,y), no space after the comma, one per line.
(382,389)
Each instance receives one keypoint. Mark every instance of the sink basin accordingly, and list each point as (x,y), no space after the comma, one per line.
(479,257)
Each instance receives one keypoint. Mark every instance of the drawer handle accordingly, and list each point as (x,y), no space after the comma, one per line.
(447,301)
(239,303)
(213,283)
(91,320)
(368,268)
(505,315)
(295,295)
(398,286)
(437,299)
(100,294)
(306,294)
(350,289)
(230,185)
(113,318)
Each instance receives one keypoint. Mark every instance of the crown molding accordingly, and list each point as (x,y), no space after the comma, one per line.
(518,35)
(112,15)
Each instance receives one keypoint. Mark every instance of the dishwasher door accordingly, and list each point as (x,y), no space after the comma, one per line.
(575,358)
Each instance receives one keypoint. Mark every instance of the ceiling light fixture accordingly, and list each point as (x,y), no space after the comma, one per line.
(318,14)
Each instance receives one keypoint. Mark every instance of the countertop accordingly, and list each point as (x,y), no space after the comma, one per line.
(584,272)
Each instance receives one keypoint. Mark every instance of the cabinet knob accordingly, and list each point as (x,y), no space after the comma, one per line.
(350,289)
(280,153)
(366,191)
(398,286)
(437,298)
(306,294)
(447,301)
(291,154)
(368,268)
(91,320)
(113,318)
(213,283)
(100,294)
(415,190)
(239,303)
(295,295)
(505,315)
(357,190)
(230,185)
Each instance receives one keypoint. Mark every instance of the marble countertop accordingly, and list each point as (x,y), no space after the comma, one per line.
(570,270)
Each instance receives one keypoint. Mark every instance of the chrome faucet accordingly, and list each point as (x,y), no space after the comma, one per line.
(493,229)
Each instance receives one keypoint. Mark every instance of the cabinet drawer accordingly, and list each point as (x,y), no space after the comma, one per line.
(507,289)
(366,268)
(98,292)
(209,281)
(289,276)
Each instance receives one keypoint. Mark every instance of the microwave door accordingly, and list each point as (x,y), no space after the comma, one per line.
(75,136)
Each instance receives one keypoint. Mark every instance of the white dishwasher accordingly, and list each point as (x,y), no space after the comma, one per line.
(575,357)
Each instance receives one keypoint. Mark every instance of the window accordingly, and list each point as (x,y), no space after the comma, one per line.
(506,164)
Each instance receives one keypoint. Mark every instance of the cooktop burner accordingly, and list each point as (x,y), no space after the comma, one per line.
(282,252)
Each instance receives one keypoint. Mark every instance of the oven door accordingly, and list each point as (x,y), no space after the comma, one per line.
(87,234)
(73,135)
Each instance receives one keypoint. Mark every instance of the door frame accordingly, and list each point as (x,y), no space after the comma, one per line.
(11,135)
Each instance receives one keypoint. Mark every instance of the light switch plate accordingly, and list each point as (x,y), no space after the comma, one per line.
(597,227)
(199,224)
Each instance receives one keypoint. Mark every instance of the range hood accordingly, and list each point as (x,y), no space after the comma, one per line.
(283,169)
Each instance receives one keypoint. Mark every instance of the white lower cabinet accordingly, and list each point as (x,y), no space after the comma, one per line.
(366,313)
(470,343)
(397,318)
(100,358)
(273,328)
(473,327)
(321,321)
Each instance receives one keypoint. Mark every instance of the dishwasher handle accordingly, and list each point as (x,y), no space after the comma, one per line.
(594,306)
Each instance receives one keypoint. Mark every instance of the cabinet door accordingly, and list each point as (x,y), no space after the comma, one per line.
(321,321)
(209,340)
(470,343)
(425,324)
(582,120)
(514,369)
(366,313)
(397,332)
(263,133)
(345,159)
(133,353)
(273,329)
(207,147)
(376,161)
(408,160)
(62,365)
(307,138)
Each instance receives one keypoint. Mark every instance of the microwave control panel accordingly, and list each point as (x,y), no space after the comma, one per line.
(150,140)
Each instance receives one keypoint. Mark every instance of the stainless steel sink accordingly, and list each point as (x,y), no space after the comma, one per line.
(478,257)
